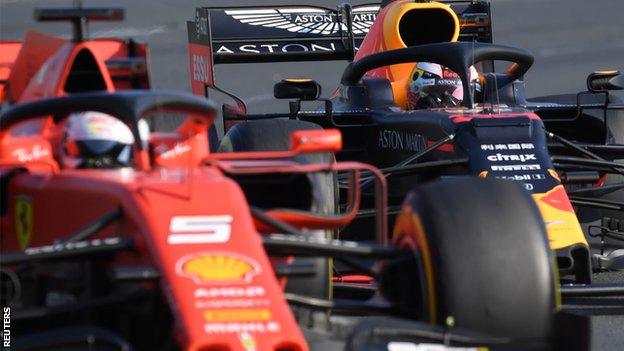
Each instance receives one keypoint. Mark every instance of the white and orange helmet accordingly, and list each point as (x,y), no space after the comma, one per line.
(433,85)
(97,140)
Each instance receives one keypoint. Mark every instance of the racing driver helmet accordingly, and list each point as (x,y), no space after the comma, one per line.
(433,85)
(97,140)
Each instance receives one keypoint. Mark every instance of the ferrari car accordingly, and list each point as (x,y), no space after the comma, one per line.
(565,150)
(44,66)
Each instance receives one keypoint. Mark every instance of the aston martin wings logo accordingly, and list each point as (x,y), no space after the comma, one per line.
(306,19)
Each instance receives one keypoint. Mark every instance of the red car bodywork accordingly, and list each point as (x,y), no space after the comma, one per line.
(187,218)
(41,66)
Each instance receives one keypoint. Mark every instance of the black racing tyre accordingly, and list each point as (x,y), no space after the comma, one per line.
(481,257)
(274,135)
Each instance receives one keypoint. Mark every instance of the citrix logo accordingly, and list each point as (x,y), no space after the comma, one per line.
(521,158)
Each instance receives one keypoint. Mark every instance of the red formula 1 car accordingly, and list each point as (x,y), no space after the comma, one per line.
(43,66)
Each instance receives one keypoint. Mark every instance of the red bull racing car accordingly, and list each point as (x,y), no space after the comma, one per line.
(565,150)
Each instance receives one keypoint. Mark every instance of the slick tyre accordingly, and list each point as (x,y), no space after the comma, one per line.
(481,258)
(274,135)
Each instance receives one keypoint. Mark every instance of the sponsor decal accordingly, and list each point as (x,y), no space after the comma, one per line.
(250,291)
(251,327)
(427,81)
(200,68)
(230,297)
(513,157)
(35,153)
(167,154)
(447,73)
(23,220)
(507,168)
(307,20)
(217,267)
(521,177)
(238,315)
(398,140)
(455,82)
(201,24)
(236,303)
(521,146)
(269,48)
(199,229)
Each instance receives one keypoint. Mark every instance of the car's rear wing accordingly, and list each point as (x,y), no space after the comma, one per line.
(126,59)
(220,35)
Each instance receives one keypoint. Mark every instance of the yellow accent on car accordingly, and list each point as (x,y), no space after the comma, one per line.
(298,80)
(218,268)
(554,174)
(409,223)
(562,225)
(238,315)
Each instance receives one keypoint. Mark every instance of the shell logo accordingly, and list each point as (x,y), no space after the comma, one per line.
(217,267)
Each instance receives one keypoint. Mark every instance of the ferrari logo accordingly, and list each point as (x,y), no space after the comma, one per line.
(23,220)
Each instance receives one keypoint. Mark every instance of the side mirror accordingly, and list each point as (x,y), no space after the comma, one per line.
(302,89)
(605,80)
(309,141)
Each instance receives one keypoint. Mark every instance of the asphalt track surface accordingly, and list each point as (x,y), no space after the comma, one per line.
(569,38)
